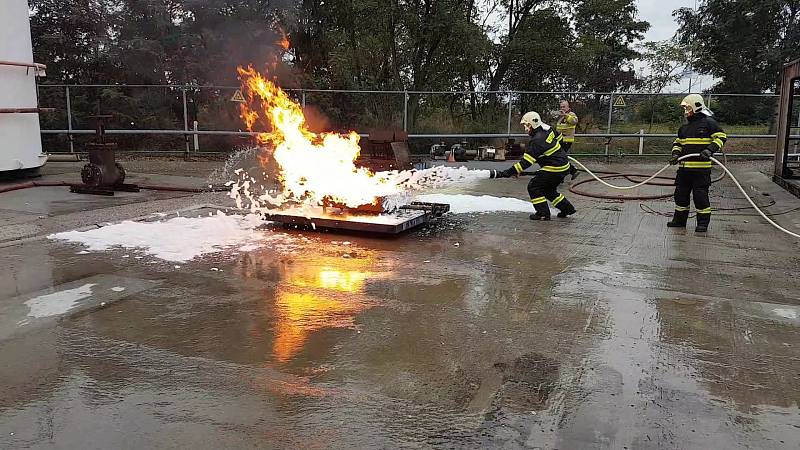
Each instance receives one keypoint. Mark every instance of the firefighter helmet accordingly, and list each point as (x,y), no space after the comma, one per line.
(531,120)
(694,101)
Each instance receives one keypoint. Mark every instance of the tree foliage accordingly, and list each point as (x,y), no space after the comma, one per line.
(413,45)
(744,43)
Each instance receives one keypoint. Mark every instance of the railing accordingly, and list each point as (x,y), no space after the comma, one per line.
(39,69)
(612,105)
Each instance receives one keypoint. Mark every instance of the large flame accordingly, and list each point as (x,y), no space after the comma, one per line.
(312,168)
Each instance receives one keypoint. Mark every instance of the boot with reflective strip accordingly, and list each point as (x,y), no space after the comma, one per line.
(703,219)
(542,210)
(564,206)
(679,219)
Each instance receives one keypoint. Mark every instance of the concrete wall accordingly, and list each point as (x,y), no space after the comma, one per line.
(20,140)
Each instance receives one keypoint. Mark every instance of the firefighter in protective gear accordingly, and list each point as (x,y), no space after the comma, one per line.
(701,134)
(566,124)
(544,149)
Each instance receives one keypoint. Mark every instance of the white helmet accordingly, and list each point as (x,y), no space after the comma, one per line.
(531,120)
(694,101)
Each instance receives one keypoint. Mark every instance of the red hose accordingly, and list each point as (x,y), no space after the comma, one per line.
(628,177)
(149,187)
(621,197)
(30,184)
(153,187)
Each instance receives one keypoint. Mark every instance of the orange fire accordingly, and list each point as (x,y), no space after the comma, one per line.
(312,168)
(284,43)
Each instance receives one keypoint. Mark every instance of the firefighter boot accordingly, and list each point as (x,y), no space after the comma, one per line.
(565,208)
(703,219)
(679,219)
(542,212)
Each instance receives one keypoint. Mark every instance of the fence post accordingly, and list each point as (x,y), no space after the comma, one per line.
(185,122)
(509,113)
(405,111)
(708,102)
(196,138)
(610,110)
(303,98)
(641,141)
(69,122)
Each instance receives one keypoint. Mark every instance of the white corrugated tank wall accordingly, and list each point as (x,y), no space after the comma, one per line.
(20,138)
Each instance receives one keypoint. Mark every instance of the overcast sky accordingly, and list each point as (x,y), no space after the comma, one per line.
(663,26)
(659,14)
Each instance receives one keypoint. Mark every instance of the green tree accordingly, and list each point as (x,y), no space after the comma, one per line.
(73,37)
(666,62)
(742,42)
(607,31)
(148,42)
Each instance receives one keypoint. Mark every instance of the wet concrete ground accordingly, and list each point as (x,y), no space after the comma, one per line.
(605,330)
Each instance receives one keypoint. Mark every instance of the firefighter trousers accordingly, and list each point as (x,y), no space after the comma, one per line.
(543,187)
(694,183)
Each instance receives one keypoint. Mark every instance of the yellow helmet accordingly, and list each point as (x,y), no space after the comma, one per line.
(531,120)
(694,101)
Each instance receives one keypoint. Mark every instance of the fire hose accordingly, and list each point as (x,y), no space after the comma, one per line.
(147,187)
(715,161)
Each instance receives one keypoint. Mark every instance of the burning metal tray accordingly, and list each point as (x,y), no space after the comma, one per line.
(402,219)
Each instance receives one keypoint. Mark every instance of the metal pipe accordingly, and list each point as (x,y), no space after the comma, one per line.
(62,157)
(610,111)
(31,65)
(149,152)
(352,91)
(169,132)
(509,113)
(25,110)
(185,122)
(416,136)
(405,111)
(69,121)
(196,138)
(582,155)
(641,141)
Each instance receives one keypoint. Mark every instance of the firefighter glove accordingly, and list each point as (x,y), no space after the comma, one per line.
(674,159)
(707,154)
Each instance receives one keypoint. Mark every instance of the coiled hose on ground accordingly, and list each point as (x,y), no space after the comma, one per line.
(656,175)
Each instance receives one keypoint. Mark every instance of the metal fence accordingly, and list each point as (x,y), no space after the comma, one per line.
(204,119)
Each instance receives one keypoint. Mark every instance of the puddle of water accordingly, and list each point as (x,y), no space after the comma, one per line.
(33,309)
(58,302)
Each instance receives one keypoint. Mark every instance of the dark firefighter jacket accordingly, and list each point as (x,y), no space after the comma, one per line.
(700,133)
(544,149)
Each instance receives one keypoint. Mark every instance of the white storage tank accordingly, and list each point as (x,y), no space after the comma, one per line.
(19,120)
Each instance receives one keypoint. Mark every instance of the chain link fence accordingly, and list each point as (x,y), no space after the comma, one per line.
(205,119)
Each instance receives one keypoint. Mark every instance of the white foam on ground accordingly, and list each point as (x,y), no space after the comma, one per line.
(785,313)
(58,302)
(179,239)
(462,203)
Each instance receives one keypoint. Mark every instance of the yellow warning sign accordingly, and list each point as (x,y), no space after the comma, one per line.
(238,97)
(619,102)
